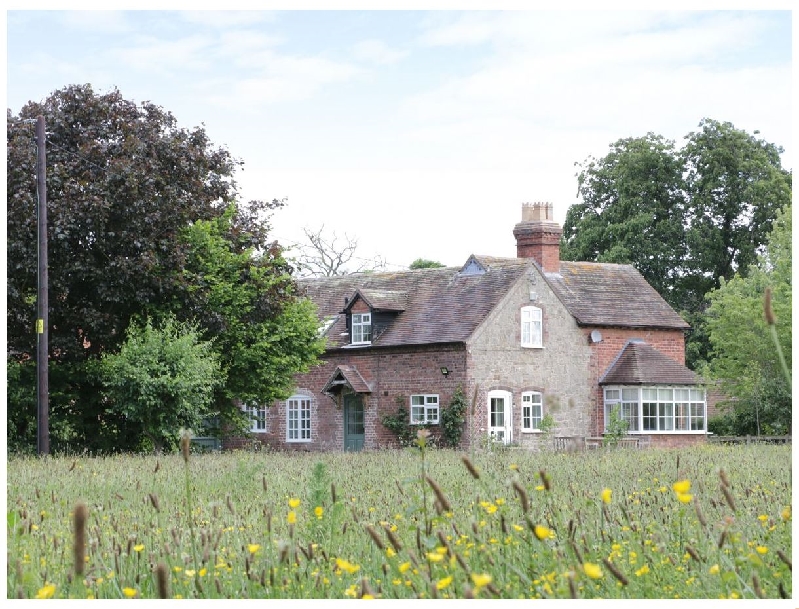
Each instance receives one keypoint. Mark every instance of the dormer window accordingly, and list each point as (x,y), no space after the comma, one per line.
(361,328)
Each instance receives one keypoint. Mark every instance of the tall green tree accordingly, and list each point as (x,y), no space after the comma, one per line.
(744,357)
(632,212)
(124,182)
(684,218)
(246,300)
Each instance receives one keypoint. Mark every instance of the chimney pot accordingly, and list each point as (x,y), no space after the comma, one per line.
(538,236)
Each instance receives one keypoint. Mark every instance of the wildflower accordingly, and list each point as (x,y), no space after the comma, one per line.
(368,596)
(203,572)
(46,592)
(513,466)
(390,553)
(762,518)
(346,566)
(189,572)
(253,548)
(714,570)
(294,503)
(642,571)
(542,532)
(404,567)
(444,582)
(761,549)
(786,513)
(481,580)
(292,517)
(129,592)
(681,487)
(434,557)
(318,511)
(138,547)
(684,497)
(606,494)
(540,487)
(592,570)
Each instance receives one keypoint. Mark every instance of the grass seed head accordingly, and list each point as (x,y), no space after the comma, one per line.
(470,466)
(79,547)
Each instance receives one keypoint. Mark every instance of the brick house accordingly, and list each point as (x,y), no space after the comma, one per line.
(522,337)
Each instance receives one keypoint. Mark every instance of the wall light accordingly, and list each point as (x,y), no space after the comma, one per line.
(445,371)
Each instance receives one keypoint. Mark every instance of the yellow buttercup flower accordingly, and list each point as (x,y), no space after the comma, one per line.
(592,570)
(318,511)
(346,566)
(435,557)
(138,547)
(761,549)
(786,513)
(404,567)
(129,592)
(292,517)
(682,486)
(684,497)
(443,583)
(542,532)
(606,494)
(46,591)
(642,571)
(714,570)
(481,580)
(253,548)
(294,503)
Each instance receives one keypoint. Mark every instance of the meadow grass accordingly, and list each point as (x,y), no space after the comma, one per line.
(702,522)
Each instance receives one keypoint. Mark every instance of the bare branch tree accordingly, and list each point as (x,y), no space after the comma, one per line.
(328,255)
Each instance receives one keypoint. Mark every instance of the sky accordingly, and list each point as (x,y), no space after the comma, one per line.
(418,133)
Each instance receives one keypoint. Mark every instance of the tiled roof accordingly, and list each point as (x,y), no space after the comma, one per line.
(384,300)
(641,364)
(346,375)
(600,294)
(441,306)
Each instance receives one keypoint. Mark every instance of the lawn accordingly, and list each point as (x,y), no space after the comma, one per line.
(705,522)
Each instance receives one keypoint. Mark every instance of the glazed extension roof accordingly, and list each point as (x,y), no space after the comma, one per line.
(446,305)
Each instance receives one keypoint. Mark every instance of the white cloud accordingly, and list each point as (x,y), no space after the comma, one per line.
(378,52)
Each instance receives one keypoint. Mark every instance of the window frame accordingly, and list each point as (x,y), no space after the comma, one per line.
(298,418)
(257,414)
(364,328)
(428,407)
(659,409)
(528,419)
(530,338)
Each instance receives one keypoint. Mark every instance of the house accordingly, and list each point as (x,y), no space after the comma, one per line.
(523,338)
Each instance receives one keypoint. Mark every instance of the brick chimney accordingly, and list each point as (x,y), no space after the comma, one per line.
(538,236)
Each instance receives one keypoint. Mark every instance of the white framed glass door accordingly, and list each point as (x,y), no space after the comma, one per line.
(500,426)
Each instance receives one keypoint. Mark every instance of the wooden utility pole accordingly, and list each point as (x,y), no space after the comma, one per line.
(42,351)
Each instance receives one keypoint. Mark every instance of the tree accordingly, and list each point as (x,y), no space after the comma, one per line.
(684,218)
(246,300)
(743,356)
(327,255)
(632,213)
(422,263)
(123,183)
(163,379)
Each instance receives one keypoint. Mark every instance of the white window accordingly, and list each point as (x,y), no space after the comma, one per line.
(361,328)
(424,409)
(298,419)
(532,327)
(532,410)
(257,414)
(658,409)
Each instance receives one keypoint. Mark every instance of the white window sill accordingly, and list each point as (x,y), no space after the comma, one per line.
(533,431)
(298,441)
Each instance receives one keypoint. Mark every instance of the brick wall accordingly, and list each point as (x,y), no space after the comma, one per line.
(393,375)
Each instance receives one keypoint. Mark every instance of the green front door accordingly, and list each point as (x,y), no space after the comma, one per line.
(353,421)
